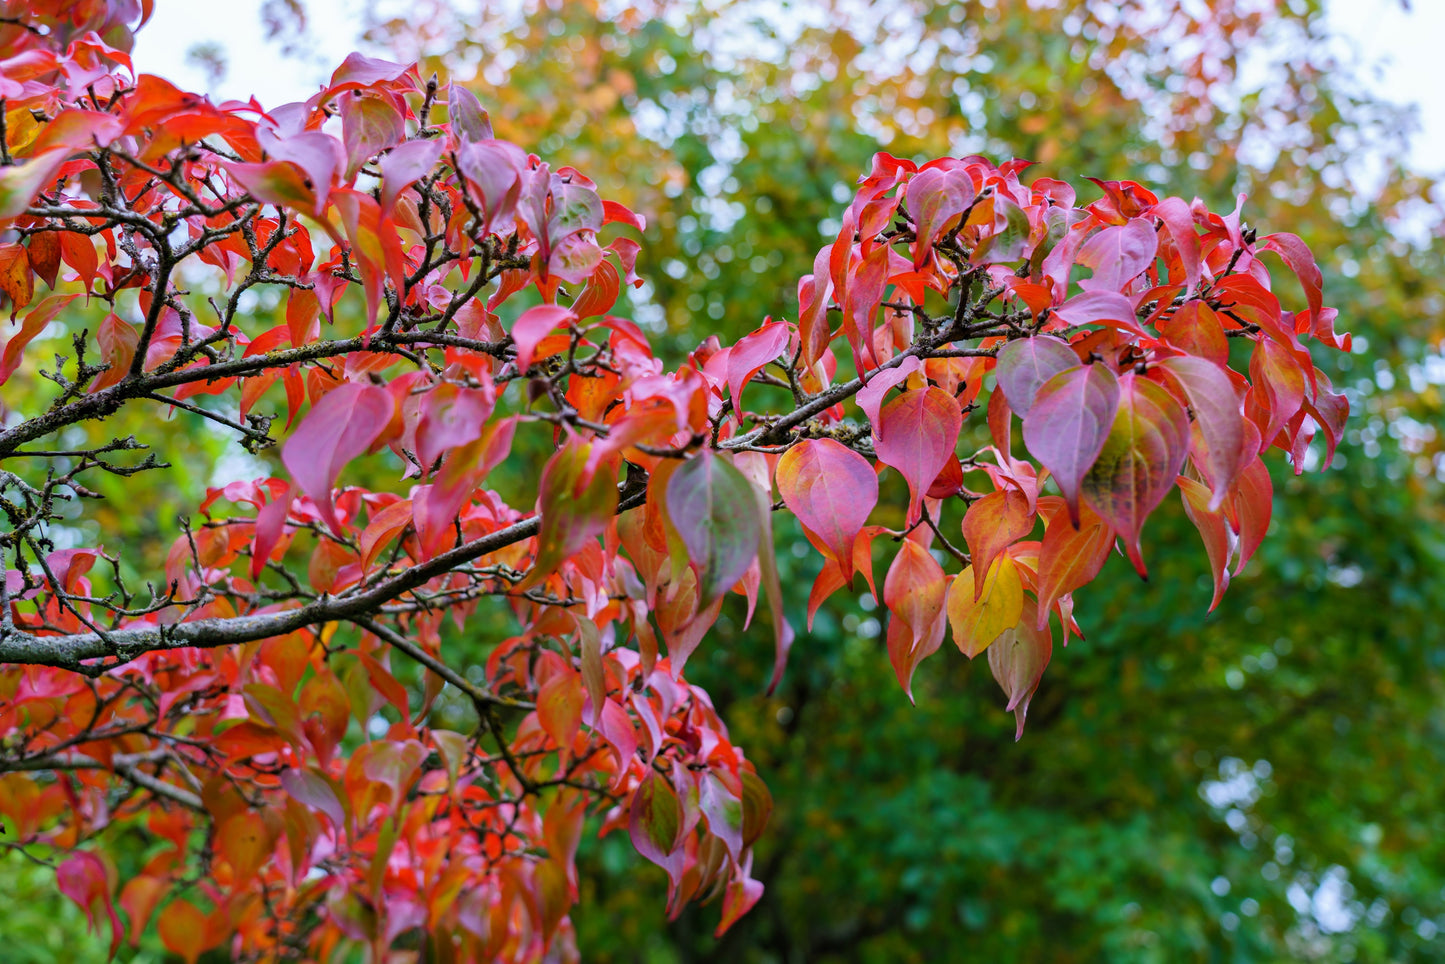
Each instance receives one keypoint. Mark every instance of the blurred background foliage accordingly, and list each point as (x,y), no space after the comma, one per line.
(1262,784)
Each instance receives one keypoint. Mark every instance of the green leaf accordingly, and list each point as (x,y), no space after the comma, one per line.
(716,513)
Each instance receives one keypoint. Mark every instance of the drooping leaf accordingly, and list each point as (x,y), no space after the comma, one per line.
(1216,408)
(533,325)
(715,511)
(1025,364)
(914,594)
(978,617)
(34,323)
(655,823)
(575,506)
(1018,659)
(832,490)
(1070,556)
(1214,529)
(183,929)
(992,524)
(916,434)
(1065,429)
(82,878)
(751,354)
(1139,460)
(338,428)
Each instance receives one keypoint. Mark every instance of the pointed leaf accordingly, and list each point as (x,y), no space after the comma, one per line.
(1071,417)
(977,618)
(1018,659)
(337,429)
(1024,364)
(1218,541)
(916,434)
(991,525)
(715,512)
(832,490)
(1216,409)
(1139,461)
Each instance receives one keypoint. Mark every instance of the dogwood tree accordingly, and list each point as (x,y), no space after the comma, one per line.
(984,388)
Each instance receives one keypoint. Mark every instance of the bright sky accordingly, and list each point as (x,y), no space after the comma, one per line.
(1403,47)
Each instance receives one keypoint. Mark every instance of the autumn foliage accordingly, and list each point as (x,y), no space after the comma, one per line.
(448,304)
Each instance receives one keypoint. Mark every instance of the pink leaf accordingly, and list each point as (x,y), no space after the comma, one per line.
(533,325)
(337,429)
(751,354)
(403,166)
(916,434)
(831,489)
(1068,423)
(83,879)
(1024,364)
(1118,254)
(1216,407)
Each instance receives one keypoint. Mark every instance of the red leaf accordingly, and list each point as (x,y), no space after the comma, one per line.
(1179,223)
(1196,329)
(83,879)
(182,928)
(1068,423)
(1301,261)
(35,322)
(751,354)
(1070,555)
(45,257)
(914,594)
(832,490)
(16,279)
(1251,505)
(1215,530)
(437,505)
(916,434)
(1279,388)
(118,340)
(280,183)
(738,899)
(814,293)
(450,416)
(20,183)
(338,428)
(559,708)
(1139,460)
(1216,408)
(270,521)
